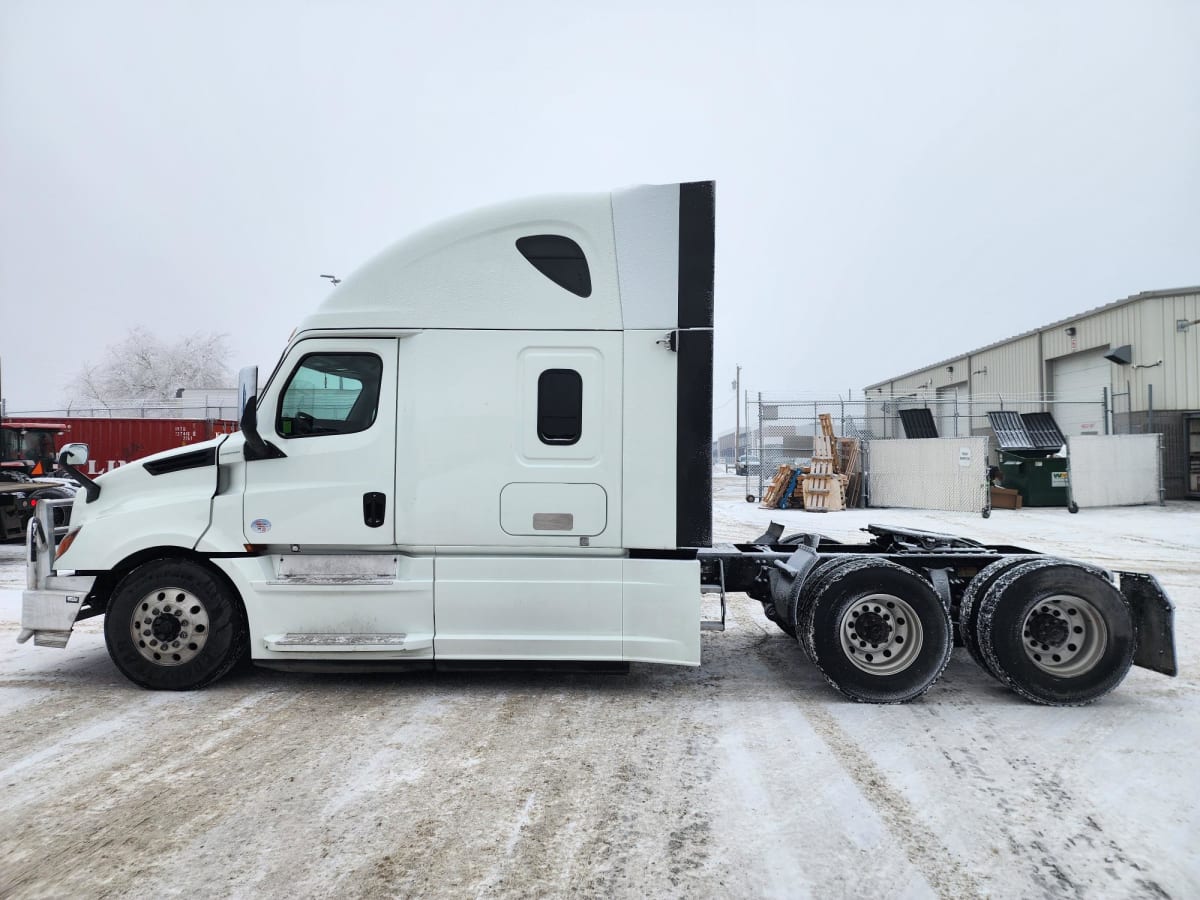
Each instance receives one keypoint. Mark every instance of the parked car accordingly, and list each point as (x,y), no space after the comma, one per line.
(747,465)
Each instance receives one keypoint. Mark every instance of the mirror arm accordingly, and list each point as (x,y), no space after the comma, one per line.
(255,447)
(89,486)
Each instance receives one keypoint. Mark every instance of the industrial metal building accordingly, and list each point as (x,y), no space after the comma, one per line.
(1129,367)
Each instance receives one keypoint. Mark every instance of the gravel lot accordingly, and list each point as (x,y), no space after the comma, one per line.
(745,777)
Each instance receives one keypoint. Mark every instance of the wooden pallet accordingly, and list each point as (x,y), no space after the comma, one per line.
(827,433)
(793,494)
(778,488)
(851,470)
(824,489)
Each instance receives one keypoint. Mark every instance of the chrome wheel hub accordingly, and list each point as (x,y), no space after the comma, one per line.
(1064,635)
(881,634)
(169,626)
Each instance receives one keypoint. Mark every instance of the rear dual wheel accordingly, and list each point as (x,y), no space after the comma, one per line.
(1057,633)
(877,631)
(972,598)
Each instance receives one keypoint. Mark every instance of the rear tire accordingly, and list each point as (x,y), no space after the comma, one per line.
(174,625)
(878,631)
(821,571)
(968,609)
(1057,633)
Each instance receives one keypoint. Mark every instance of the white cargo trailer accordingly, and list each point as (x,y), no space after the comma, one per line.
(491,445)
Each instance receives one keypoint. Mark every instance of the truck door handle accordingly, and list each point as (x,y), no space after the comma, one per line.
(374,508)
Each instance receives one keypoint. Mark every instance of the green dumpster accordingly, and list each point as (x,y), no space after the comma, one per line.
(1041,480)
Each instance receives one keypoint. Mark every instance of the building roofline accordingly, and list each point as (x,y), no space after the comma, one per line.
(1132,298)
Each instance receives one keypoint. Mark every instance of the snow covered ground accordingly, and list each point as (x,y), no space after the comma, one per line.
(745,777)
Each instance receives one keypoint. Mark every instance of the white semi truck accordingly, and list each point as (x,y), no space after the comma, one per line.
(491,445)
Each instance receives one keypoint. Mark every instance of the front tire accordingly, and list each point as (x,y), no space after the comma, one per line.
(174,625)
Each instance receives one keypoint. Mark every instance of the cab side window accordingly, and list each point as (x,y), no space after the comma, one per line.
(560,406)
(330,393)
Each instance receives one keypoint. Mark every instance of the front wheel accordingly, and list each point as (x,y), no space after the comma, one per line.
(174,625)
(878,631)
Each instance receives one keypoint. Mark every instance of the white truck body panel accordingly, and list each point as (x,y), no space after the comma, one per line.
(480,447)
(314,496)
(347,604)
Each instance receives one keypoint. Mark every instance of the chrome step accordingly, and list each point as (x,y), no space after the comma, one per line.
(716,624)
(338,642)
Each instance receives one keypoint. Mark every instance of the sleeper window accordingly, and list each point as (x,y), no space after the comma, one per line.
(560,259)
(560,406)
(330,393)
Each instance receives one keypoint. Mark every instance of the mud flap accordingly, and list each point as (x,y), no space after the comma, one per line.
(1153,620)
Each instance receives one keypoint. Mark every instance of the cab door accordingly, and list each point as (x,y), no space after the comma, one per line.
(331,410)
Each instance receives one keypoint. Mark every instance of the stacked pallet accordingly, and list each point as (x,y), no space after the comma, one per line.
(779,494)
(851,469)
(832,482)
(824,489)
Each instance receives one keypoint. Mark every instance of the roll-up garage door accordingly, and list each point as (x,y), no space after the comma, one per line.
(1078,382)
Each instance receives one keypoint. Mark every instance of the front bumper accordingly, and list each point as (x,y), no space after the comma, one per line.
(48,614)
(51,603)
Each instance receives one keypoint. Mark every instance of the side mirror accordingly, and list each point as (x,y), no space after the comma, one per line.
(255,447)
(247,388)
(73,454)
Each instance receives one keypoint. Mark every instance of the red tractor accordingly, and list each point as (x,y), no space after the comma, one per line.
(26,459)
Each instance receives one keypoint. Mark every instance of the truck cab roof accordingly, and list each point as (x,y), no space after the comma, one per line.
(603,261)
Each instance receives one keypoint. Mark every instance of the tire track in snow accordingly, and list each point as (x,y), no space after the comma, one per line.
(1071,853)
(949,878)
(782,663)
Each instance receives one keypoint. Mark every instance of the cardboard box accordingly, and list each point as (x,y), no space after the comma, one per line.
(1006,498)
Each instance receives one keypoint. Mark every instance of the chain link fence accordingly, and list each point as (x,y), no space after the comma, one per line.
(215,405)
(777,430)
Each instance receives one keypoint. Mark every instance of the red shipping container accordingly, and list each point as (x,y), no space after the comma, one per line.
(117,442)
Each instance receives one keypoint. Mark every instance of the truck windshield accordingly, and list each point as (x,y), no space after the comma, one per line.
(26,445)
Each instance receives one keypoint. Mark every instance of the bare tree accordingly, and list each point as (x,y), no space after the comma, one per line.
(144,366)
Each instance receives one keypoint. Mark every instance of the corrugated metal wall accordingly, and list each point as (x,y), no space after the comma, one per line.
(1010,370)
(1019,367)
(1164,375)
(116,442)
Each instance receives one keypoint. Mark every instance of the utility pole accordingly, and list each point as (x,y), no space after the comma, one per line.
(737,393)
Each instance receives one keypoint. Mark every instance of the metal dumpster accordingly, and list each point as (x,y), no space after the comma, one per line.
(1029,444)
(1041,480)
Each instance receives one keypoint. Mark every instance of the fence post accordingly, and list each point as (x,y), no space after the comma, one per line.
(1104,407)
(1150,407)
(1162,487)
(762,452)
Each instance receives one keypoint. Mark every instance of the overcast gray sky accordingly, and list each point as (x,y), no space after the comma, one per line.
(896,182)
